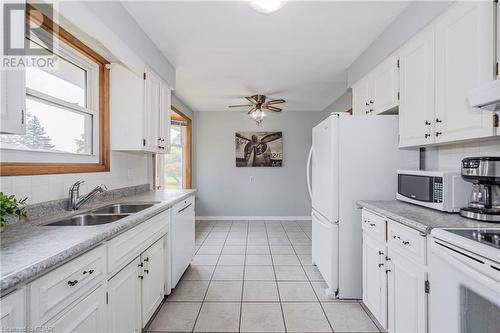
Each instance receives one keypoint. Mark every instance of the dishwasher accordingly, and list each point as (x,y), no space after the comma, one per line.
(182,238)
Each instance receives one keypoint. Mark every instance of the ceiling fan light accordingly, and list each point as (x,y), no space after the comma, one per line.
(267,6)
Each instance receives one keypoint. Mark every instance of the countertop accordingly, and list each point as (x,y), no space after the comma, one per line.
(421,218)
(29,250)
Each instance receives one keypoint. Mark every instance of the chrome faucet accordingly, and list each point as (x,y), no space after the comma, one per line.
(74,199)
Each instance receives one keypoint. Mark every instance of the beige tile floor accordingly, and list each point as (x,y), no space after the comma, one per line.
(256,276)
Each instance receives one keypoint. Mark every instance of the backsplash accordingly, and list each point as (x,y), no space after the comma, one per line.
(449,157)
(127,169)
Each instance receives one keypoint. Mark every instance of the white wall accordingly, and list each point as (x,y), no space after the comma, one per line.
(341,104)
(127,169)
(224,190)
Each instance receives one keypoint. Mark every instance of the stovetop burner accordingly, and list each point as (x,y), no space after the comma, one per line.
(489,237)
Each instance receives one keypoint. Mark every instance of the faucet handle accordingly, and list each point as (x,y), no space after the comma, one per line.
(103,187)
(77,184)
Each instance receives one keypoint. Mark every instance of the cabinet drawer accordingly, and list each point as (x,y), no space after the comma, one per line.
(406,241)
(55,291)
(187,203)
(373,224)
(125,247)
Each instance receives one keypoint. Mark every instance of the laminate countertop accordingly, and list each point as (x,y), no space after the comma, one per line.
(31,249)
(421,218)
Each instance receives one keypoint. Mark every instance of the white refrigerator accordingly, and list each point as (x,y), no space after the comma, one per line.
(352,158)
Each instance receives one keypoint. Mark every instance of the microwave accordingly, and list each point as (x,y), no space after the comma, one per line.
(442,190)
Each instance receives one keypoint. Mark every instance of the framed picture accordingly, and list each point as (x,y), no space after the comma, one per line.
(259,149)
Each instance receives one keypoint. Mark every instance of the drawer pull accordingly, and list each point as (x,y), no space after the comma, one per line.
(406,243)
(372,224)
(146,271)
(396,237)
(141,264)
(380,253)
(141,277)
(380,265)
(146,259)
(387,271)
(89,272)
(72,283)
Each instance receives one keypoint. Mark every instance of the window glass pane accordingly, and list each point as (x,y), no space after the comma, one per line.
(53,129)
(176,134)
(66,82)
(173,168)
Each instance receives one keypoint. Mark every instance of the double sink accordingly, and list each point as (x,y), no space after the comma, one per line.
(103,215)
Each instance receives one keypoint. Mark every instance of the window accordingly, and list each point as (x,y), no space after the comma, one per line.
(67,111)
(175,168)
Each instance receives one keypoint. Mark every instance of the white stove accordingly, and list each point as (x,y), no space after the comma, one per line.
(465,280)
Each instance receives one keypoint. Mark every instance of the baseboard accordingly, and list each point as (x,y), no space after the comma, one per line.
(253,218)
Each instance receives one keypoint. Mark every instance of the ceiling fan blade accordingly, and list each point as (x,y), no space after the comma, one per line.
(272,108)
(276,101)
(239,106)
(251,99)
(252,110)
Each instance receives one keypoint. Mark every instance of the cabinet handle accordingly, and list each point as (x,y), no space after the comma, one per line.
(89,272)
(72,283)
(371,102)
(146,259)
(387,258)
(366,103)
(387,271)
(366,112)
(22,116)
(380,265)
(371,110)
(439,133)
(146,271)
(427,123)
(380,253)
(406,243)
(141,277)
(427,135)
(439,120)
(396,237)
(372,224)
(141,264)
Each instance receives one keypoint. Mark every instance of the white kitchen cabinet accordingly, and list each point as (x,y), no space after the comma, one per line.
(140,111)
(88,315)
(153,283)
(385,86)
(124,299)
(377,92)
(361,97)
(465,50)
(13,101)
(374,278)
(407,300)
(13,310)
(416,105)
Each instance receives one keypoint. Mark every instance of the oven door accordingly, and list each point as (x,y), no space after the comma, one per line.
(464,291)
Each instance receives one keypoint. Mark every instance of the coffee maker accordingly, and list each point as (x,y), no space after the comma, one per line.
(484,174)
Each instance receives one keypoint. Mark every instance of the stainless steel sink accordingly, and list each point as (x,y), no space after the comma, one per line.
(87,220)
(122,208)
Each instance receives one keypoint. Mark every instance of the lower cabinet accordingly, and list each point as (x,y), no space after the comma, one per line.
(124,299)
(395,275)
(374,278)
(13,310)
(88,315)
(407,301)
(153,282)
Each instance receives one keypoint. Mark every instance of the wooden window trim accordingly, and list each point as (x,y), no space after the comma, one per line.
(24,168)
(179,116)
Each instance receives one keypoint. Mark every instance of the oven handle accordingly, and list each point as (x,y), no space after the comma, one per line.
(469,267)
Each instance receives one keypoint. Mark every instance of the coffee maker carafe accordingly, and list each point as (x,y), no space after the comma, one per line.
(484,174)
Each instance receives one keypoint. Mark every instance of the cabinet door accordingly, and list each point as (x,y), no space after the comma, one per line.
(152,112)
(416,105)
(13,310)
(89,315)
(407,301)
(13,101)
(464,60)
(360,97)
(374,278)
(385,85)
(153,284)
(124,299)
(164,122)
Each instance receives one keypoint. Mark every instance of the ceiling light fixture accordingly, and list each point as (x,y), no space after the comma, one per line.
(267,6)
(258,115)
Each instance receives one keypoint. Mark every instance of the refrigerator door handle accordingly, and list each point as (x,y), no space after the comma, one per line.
(308,172)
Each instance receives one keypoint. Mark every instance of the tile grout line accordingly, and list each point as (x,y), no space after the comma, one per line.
(276,278)
(243,278)
(309,280)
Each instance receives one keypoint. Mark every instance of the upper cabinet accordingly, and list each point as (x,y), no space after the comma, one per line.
(13,103)
(435,71)
(465,50)
(140,111)
(377,92)
(416,107)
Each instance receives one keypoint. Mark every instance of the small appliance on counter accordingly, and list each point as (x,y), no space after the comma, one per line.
(484,174)
(442,190)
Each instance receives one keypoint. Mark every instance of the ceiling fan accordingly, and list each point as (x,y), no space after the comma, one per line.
(257,104)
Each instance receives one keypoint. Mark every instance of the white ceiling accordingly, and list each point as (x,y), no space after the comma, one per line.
(224,50)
